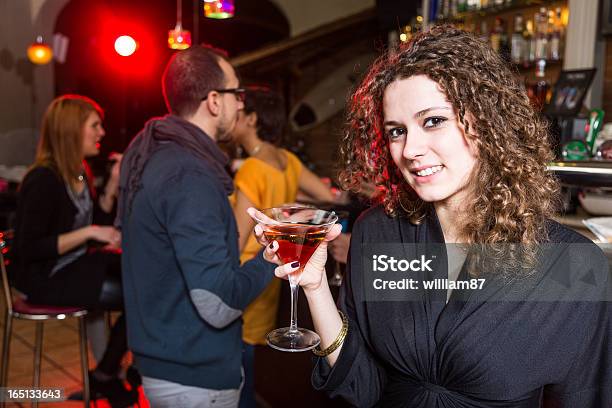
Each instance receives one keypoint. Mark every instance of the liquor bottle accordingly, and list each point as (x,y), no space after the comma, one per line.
(530,43)
(462,6)
(500,37)
(541,51)
(484,31)
(452,8)
(484,3)
(495,37)
(517,51)
(556,38)
(538,89)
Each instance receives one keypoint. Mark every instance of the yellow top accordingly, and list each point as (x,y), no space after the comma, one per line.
(265,186)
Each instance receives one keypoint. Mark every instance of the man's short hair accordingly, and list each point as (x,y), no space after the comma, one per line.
(189,76)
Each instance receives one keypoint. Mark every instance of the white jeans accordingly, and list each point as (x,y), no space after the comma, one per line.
(166,394)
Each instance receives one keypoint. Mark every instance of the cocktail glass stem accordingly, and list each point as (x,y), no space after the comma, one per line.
(293,283)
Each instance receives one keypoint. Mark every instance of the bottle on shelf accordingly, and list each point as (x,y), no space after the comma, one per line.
(530,43)
(518,46)
(462,6)
(495,36)
(453,8)
(484,3)
(557,37)
(541,34)
(484,31)
(499,38)
(539,89)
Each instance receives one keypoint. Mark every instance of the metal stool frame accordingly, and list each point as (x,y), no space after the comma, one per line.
(39,320)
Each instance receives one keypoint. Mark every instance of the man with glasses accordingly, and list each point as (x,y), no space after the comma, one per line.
(184,287)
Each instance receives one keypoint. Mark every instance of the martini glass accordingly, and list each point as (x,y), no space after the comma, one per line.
(298,230)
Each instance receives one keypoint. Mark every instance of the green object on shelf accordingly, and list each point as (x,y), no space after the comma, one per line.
(576,150)
(595,125)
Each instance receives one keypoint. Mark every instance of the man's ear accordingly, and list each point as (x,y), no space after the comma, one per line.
(251,119)
(213,104)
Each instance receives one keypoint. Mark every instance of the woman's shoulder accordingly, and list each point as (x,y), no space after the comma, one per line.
(559,233)
(41,175)
(375,222)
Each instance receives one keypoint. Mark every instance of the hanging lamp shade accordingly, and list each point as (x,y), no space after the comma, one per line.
(219,9)
(39,53)
(179,39)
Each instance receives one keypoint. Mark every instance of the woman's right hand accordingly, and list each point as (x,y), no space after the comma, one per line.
(106,234)
(313,277)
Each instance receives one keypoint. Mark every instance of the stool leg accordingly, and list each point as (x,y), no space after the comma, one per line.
(84,360)
(37,357)
(6,344)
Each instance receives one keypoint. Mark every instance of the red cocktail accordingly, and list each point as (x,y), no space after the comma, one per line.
(298,230)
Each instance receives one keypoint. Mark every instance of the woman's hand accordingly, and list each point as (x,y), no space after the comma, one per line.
(114,174)
(313,274)
(106,234)
(111,190)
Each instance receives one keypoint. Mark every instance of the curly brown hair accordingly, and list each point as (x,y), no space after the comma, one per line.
(513,192)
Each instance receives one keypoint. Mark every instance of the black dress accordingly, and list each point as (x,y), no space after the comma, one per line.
(518,347)
(44,211)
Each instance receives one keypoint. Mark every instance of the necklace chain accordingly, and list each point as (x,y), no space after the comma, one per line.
(256,149)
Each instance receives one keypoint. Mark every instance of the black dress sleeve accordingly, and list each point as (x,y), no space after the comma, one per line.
(39,200)
(356,376)
(588,381)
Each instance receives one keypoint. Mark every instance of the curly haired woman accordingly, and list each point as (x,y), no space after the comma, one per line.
(447,130)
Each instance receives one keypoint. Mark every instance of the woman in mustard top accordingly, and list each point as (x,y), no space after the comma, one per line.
(269,177)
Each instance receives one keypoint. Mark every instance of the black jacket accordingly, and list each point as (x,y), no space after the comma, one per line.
(44,211)
(542,341)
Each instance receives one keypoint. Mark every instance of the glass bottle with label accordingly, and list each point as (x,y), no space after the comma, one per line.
(556,38)
(462,6)
(517,50)
(541,49)
(530,43)
(538,89)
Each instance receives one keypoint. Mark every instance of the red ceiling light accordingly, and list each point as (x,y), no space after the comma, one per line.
(39,52)
(179,39)
(219,9)
(125,45)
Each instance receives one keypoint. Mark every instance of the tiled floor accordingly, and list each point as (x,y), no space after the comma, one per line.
(61,365)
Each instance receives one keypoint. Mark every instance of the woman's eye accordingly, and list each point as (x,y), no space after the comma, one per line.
(433,122)
(396,133)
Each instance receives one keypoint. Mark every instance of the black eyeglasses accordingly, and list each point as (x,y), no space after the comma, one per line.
(239,93)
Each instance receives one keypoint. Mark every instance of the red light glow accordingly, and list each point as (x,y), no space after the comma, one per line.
(125,45)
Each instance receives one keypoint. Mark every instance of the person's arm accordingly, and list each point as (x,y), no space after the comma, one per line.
(587,354)
(195,212)
(73,239)
(312,185)
(244,222)
(111,189)
(355,375)
(351,371)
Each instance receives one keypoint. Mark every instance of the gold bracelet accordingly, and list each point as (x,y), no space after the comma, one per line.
(339,340)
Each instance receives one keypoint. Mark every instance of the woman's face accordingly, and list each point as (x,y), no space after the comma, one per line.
(92,133)
(426,140)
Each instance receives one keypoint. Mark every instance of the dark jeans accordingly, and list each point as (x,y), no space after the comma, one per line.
(247,396)
(111,298)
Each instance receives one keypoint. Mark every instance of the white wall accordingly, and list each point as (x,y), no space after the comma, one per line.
(25,89)
(304,15)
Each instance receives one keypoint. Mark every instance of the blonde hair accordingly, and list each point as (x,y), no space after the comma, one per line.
(61,139)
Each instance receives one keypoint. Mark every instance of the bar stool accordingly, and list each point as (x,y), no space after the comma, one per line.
(18,308)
